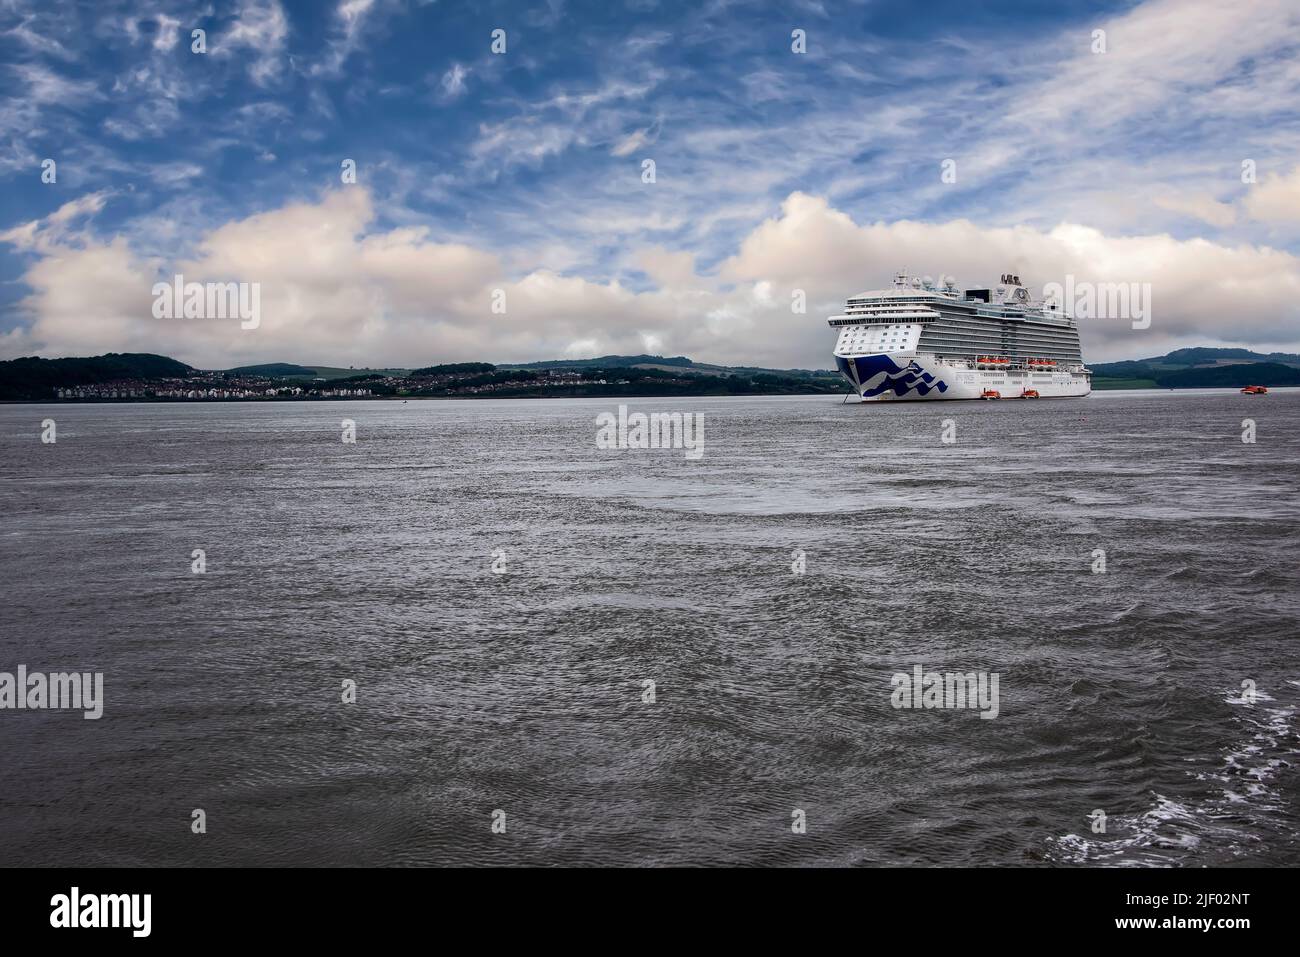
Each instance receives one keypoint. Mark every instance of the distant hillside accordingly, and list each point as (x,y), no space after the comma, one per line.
(273,370)
(603,362)
(335,372)
(1203,356)
(641,375)
(455,368)
(667,364)
(1235,376)
(33,378)
(36,378)
(1200,368)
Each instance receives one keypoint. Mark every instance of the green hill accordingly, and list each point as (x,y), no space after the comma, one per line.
(35,378)
(604,362)
(1203,356)
(1234,376)
(455,368)
(337,372)
(273,370)
(1199,368)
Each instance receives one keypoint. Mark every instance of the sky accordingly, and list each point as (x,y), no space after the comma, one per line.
(502,210)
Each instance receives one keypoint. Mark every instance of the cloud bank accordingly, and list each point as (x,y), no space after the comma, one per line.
(337,288)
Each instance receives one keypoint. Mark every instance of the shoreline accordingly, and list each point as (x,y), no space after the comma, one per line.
(264,400)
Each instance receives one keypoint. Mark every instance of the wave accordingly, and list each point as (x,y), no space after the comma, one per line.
(1247,798)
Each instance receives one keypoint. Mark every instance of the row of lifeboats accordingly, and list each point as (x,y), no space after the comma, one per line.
(1254,390)
(995,394)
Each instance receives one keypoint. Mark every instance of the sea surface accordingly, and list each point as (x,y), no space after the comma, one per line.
(512,687)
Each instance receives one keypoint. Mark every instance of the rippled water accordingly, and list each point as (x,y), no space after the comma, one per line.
(523,691)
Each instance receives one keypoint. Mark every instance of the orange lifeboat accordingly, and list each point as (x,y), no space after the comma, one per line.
(1254,390)
(991,394)
(1029,394)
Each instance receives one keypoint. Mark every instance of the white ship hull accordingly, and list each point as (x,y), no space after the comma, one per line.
(892,377)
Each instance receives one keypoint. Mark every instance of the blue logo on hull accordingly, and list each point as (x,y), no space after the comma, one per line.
(899,380)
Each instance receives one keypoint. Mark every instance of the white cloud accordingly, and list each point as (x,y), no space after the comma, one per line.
(329,287)
(335,289)
(168,33)
(1157,52)
(352,14)
(1203,207)
(1202,292)
(522,141)
(582,349)
(635,140)
(261,28)
(48,235)
(453,81)
(550,126)
(38,41)
(47,87)
(668,269)
(350,19)
(1275,198)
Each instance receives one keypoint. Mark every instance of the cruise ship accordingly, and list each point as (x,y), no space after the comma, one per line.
(922,340)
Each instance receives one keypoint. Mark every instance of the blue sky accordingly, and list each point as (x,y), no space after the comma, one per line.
(522,171)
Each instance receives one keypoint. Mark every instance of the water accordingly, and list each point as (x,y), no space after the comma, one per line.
(523,691)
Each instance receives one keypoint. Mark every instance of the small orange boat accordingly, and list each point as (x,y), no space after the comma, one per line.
(1029,394)
(1254,390)
(991,394)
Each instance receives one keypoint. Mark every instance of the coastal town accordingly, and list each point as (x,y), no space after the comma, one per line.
(470,379)
(140,390)
(143,377)
(227,386)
